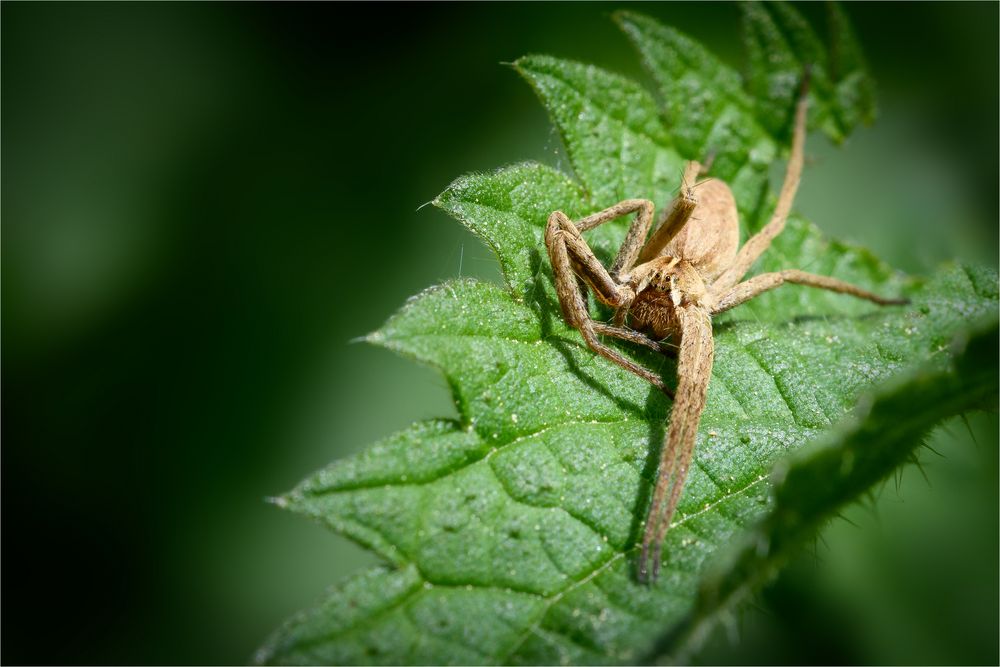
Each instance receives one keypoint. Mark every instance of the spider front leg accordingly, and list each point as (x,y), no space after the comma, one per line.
(678,214)
(760,241)
(568,251)
(768,281)
(694,370)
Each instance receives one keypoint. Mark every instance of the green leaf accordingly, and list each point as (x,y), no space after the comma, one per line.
(780,44)
(855,88)
(503,209)
(708,113)
(509,534)
(612,129)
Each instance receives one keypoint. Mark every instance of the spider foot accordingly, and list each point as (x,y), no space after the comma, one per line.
(645,575)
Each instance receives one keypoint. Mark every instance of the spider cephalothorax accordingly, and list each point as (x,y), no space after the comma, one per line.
(662,286)
(668,287)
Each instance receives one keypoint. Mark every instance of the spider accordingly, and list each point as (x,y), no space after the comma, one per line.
(669,286)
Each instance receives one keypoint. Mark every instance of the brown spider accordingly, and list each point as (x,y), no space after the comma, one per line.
(670,286)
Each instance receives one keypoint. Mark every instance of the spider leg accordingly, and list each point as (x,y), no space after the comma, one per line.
(603,329)
(766,281)
(694,372)
(678,214)
(636,234)
(566,246)
(760,241)
(595,344)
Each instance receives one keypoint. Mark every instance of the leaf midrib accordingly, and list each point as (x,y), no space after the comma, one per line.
(361,486)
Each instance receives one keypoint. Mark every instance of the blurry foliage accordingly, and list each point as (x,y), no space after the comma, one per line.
(202,203)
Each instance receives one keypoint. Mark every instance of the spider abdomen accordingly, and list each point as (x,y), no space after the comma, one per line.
(710,240)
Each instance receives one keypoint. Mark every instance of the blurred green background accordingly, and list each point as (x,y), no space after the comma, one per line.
(203,204)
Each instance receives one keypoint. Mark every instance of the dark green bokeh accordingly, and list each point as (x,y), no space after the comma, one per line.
(203,205)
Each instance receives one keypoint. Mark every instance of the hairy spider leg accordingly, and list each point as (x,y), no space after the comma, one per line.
(563,241)
(760,242)
(748,289)
(637,231)
(678,214)
(632,336)
(694,370)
